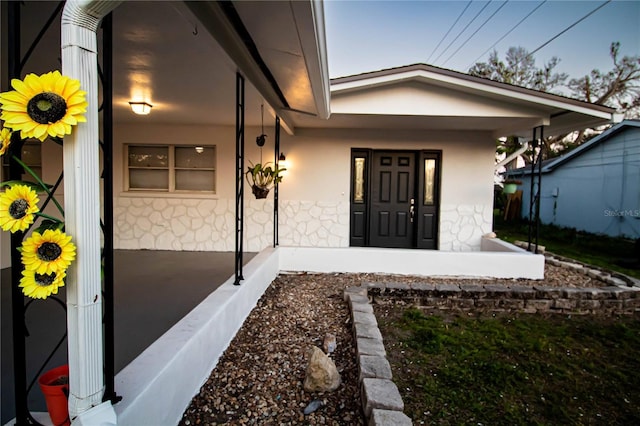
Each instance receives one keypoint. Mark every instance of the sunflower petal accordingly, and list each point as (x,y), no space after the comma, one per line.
(13,96)
(34,82)
(70,119)
(14,107)
(22,88)
(71,88)
(40,131)
(59,85)
(56,129)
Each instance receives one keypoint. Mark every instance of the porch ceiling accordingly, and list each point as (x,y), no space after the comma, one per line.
(171,55)
(182,57)
(175,56)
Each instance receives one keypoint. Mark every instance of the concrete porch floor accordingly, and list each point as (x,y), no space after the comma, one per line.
(153,291)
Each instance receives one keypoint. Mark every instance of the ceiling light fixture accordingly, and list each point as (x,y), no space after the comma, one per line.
(141,108)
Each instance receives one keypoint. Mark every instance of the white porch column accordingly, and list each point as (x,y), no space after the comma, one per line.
(80,20)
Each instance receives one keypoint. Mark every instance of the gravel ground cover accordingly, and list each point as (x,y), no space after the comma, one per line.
(259,378)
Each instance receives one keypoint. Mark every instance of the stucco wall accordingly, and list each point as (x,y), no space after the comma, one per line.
(314,195)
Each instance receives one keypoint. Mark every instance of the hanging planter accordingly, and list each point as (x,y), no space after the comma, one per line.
(510,186)
(259,192)
(54,384)
(262,177)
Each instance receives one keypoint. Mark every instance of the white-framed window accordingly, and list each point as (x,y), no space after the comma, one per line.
(171,168)
(31,156)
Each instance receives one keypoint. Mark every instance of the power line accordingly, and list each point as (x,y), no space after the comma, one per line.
(463,30)
(450,28)
(566,29)
(476,31)
(506,34)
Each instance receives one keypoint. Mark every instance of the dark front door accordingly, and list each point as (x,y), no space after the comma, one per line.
(395,198)
(392,197)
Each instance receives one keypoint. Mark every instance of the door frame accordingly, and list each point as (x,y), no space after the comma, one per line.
(360,195)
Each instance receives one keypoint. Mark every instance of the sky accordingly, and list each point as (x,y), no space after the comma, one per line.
(370,35)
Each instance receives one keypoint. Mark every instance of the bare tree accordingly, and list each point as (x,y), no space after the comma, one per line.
(520,70)
(618,88)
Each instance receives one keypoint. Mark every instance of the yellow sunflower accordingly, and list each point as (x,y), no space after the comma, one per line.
(49,252)
(43,105)
(18,206)
(5,140)
(41,286)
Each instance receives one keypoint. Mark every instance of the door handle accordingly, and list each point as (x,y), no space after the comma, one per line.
(412,210)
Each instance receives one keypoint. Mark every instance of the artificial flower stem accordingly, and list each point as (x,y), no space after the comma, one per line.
(46,216)
(41,183)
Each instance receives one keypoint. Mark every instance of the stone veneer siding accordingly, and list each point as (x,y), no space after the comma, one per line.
(191,224)
(462,226)
(209,225)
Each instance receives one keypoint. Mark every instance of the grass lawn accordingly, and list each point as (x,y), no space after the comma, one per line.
(617,254)
(514,369)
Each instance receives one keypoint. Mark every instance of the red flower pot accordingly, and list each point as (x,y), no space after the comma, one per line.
(55,387)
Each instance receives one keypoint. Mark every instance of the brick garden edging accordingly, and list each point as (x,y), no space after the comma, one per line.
(381,401)
(612,300)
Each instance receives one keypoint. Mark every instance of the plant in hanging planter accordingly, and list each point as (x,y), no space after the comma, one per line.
(42,106)
(262,177)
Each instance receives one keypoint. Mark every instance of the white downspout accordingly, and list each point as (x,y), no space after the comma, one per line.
(80,20)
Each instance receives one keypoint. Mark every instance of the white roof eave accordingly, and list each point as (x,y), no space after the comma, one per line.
(477,87)
(311,29)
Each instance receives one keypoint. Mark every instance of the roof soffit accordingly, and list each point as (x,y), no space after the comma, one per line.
(273,29)
(289,39)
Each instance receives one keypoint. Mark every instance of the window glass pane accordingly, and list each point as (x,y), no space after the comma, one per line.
(148,179)
(31,154)
(358,180)
(148,156)
(198,157)
(195,180)
(429,180)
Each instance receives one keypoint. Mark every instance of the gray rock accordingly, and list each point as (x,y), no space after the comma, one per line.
(313,406)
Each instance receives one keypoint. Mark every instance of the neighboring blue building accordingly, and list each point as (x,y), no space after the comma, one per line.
(595,187)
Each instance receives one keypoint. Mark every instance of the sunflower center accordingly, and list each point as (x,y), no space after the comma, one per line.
(44,280)
(49,251)
(46,107)
(18,209)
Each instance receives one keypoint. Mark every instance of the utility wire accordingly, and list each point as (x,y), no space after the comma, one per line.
(506,34)
(463,30)
(566,29)
(476,31)
(450,28)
